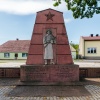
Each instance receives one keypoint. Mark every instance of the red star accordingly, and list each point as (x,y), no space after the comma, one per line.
(49,16)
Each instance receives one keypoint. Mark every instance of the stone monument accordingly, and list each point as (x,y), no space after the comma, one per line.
(49,57)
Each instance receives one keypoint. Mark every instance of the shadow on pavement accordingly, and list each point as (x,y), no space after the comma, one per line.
(9,81)
(25,91)
(77,89)
(16,81)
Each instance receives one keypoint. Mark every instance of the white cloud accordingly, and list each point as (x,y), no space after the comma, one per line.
(67,20)
(25,7)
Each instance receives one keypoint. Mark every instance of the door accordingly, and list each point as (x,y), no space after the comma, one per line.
(16,55)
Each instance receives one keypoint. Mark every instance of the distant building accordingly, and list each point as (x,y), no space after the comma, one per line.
(18,49)
(73,51)
(89,47)
(14,49)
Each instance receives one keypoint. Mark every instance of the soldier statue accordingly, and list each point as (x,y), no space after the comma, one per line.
(48,41)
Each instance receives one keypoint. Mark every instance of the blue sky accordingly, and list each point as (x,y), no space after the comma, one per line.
(17,19)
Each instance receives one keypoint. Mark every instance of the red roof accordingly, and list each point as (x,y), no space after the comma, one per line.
(15,46)
(91,38)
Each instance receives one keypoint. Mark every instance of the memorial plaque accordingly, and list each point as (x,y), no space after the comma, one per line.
(55,73)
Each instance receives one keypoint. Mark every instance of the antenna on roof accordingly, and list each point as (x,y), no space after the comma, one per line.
(91,35)
(17,39)
(97,34)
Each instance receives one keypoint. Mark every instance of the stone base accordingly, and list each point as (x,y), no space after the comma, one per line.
(49,73)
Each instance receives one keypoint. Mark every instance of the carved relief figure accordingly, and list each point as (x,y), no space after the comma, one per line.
(48,41)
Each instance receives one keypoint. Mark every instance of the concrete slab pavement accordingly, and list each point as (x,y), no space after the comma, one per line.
(83,92)
(92,89)
(80,63)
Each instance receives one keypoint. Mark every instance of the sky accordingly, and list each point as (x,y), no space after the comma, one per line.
(17,18)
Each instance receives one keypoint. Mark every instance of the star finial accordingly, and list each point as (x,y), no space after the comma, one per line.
(49,16)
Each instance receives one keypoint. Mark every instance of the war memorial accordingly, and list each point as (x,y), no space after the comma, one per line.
(49,63)
(49,57)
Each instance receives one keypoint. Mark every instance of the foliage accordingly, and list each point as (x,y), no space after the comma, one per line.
(81,8)
(75,46)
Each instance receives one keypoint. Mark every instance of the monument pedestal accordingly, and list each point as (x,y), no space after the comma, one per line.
(50,73)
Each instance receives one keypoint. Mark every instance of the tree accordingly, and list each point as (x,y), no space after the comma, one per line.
(75,46)
(81,8)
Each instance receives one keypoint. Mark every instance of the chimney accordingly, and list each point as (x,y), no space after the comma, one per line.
(97,34)
(91,35)
(17,39)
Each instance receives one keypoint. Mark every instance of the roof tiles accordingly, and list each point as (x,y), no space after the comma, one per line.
(91,38)
(15,46)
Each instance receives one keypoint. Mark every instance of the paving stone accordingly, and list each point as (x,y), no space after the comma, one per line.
(48,98)
(67,98)
(54,98)
(74,98)
(70,98)
(94,90)
(64,98)
(77,98)
(51,98)
(81,64)
(41,98)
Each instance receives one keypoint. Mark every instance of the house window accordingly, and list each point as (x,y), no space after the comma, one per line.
(24,54)
(6,55)
(91,50)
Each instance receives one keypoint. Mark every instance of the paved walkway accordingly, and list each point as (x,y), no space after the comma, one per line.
(82,64)
(82,92)
(88,64)
(10,91)
(93,89)
(11,64)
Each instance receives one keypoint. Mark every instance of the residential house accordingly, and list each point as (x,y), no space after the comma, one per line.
(14,49)
(18,49)
(73,52)
(89,47)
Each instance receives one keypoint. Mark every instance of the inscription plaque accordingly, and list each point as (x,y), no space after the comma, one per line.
(51,73)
